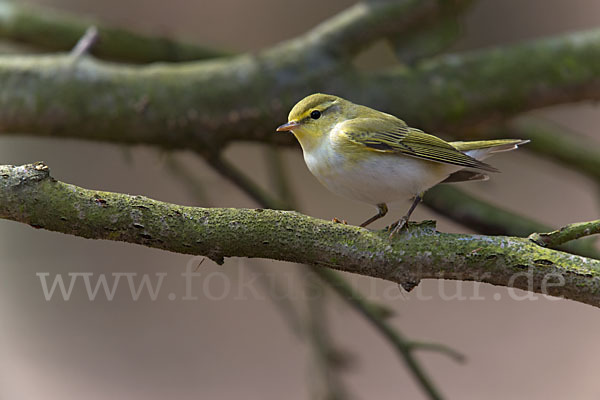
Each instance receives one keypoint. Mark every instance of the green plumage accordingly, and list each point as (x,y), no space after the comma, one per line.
(392,135)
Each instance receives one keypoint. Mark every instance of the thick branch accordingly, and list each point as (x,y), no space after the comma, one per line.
(356,28)
(200,105)
(28,194)
(54,31)
(487,218)
(459,91)
(342,36)
(205,105)
(430,41)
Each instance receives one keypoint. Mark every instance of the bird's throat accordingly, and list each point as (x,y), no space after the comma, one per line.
(307,140)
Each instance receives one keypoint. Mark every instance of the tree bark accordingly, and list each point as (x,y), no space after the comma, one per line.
(206,105)
(30,195)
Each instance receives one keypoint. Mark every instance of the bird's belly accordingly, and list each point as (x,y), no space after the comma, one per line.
(380,178)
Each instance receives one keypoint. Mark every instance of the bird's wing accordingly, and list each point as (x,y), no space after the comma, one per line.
(392,135)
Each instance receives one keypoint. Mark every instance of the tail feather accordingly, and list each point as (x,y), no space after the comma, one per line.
(481,149)
(494,145)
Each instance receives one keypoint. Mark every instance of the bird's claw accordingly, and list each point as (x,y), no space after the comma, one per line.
(337,221)
(397,226)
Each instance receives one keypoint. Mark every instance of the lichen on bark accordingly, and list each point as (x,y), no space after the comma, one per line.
(30,195)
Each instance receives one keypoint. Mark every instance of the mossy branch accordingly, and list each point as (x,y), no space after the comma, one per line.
(549,140)
(566,233)
(356,28)
(430,41)
(28,194)
(465,93)
(344,35)
(201,105)
(52,30)
(484,217)
(205,105)
(373,312)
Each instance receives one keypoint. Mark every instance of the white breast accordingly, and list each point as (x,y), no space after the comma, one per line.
(380,178)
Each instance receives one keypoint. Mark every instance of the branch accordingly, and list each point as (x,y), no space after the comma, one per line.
(547,139)
(354,29)
(429,42)
(487,218)
(329,359)
(566,233)
(314,329)
(51,30)
(347,33)
(477,214)
(243,182)
(279,178)
(28,194)
(458,92)
(439,348)
(325,352)
(205,105)
(403,346)
(189,179)
(430,38)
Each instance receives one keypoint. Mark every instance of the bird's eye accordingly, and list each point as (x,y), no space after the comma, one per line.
(315,114)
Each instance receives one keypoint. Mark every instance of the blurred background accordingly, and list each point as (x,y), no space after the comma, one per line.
(231,341)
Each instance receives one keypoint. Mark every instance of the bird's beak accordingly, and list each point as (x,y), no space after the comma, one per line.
(288,127)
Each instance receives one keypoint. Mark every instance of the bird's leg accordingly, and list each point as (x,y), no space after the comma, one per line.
(400,224)
(381,211)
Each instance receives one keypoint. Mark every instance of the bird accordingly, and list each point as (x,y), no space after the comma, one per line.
(376,158)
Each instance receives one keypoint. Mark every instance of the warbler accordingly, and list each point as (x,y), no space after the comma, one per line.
(376,158)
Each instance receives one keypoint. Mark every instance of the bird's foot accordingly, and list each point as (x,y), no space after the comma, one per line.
(337,221)
(397,226)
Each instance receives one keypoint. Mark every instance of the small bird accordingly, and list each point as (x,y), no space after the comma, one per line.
(376,158)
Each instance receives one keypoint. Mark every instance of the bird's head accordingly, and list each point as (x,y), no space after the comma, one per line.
(314,117)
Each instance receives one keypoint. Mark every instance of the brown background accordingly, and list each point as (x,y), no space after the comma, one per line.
(239,346)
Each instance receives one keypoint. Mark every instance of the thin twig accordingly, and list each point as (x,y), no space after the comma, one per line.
(438,347)
(190,181)
(87,41)
(328,358)
(313,328)
(402,345)
(279,176)
(271,288)
(286,308)
(566,233)
(247,185)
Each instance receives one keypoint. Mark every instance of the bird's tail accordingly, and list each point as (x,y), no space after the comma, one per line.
(481,149)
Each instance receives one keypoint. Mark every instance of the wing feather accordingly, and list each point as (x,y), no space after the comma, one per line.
(392,135)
